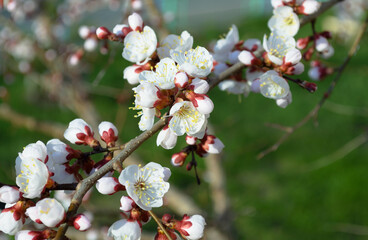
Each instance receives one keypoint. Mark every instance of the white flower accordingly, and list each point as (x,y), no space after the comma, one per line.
(32,176)
(164,75)
(139,46)
(57,151)
(125,230)
(322,44)
(284,102)
(131,74)
(200,86)
(81,222)
(147,118)
(48,211)
(27,235)
(285,21)
(187,119)
(273,86)
(202,103)
(126,204)
(184,42)
(10,222)
(166,138)
(9,194)
(108,131)
(224,47)
(192,228)
(135,22)
(196,62)
(108,185)
(78,132)
(145,185)
(235,87)
(36,150)
(293,56)
(277,46)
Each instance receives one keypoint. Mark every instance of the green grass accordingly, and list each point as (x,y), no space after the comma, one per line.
(273,198)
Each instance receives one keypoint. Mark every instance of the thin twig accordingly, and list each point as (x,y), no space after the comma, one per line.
(326,95)
(153,215)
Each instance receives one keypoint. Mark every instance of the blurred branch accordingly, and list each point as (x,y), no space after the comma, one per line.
(351,229)
(157,18)
(340,153)
(314,112)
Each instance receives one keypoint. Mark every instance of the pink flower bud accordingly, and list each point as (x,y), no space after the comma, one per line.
(309,7)
(203,103)
(108,185)
(9,194)
(302,43)
(126,204)
(79,132)
(191,228)
(166,138)
(200,86)
(190,140)
(81,222)
(181,80)
(102,33)
(108,132)
(135,22)
(178,159)
(293,56)
(248,58)
(321,44)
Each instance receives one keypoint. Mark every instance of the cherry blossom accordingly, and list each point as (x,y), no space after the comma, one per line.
(273,86)
(125,229)
(191,227)
(48,211)
(277,46)
(184,42)
(284,21)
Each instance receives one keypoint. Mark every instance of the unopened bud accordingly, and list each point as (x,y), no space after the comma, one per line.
(135,22)
(178,159)
(102,33)
(248,58)
(181,80)
(81,222)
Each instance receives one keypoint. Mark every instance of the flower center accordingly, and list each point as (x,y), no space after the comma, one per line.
(289,20)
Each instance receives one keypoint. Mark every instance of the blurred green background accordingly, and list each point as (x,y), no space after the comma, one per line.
(282,196)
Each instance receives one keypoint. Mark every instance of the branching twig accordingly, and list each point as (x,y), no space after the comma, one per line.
(157,220)
(326,95)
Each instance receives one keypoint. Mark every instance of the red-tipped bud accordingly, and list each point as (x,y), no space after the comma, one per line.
(178,159)
(135,22)
(103,33)
(81,222)
(181,80)
(302,43)
(190,140)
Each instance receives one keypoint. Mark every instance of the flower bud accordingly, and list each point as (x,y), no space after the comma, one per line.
(191,228)
(321,44)
(190,140)
(11,221)
(108,185)
(90,44)
(9,194)
(248,58)
(126,204)
(297,69)
(135,22)
(203,103)
(166,138)
(102,33)
(178,159)
(213,145)
(302,43)
(83,32)
(200,86)
(131,74)
(181,80)
(81,222)
(79,132)
(293,56)
(119,30)
(108,132)
(309,7)
(28,235)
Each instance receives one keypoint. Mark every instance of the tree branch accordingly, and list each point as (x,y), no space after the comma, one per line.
(326,95)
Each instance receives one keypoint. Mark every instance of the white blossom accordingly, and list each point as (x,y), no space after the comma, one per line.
(200,86)
(57,151)
(192,227)
(108,131)
(82,222)
(48,211)
(27,235)
(223,47)
(147,118)
(310,6)
(145,185)
(284,102)
(166,138)
(184,42)
(77,131)
(107,185)
(9,194)
(293,56)
(234,87)
(139,46)
(196,62)
(131,74)
(164,75)
(135,22)
(187,119)
(277,46)
(285,21)
(273,86)
(125,230)
(126,204)
(10,223)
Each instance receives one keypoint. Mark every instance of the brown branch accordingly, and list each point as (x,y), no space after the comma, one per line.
(314,112)
(153,215)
